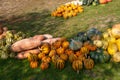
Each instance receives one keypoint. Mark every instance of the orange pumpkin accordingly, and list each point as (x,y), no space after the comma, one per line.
(33,64)
(69,51)
(60,50)
(52,53)
(65,44)
(45,48)
(57,44)
(44,65)
(46,59)
(72,57)
(41,55)
(64,57)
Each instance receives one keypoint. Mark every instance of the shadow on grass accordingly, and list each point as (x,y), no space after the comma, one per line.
(36,23)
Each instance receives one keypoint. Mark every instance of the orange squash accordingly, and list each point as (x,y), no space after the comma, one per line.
(60,50)
(44,66)
(33,64)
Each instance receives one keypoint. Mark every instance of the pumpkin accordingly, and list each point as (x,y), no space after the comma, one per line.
(54,58)
(69,51)
(33,64)
(60,50)
(65,44)
(52,52)
(91,47)
(116,57)
(59,64)
(112,48)
(72,57)
(45,48)
(75,45)
(102,1)
(32,57)
(78,53)
(118,43)
(105,44)
(84,50)
(100,56)
(41,55)
(46,59)
(93,34)
(44,66)
(98,43)
(57,44)
(64,57)
(116,31)
(81,36)
(88,63)
(77,65)
(82,57)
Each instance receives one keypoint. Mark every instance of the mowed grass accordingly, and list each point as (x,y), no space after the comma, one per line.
(101,17)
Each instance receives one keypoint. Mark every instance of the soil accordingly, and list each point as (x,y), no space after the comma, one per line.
(9,8)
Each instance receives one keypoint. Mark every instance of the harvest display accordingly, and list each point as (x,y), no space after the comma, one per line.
(82,51)
(73,8)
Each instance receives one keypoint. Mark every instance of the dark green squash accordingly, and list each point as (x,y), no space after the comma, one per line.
(100,56)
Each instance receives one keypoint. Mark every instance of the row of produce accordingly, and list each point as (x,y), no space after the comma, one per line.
(73,8)
(84,50)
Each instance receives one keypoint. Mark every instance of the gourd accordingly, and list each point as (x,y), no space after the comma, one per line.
(81,36)
(45,48)
(72,57)
(98,43)
(116,31)
(41,55)
(60,50)
(64,57)
(46,59)
(52,52)
(33,64)
(77,65)
(75,45)
(60,63)
(44,66)
(69,51)
(116,57)
(100,56)
(84,50)
(65,44)
(89,63)
(112,48)
(118,43)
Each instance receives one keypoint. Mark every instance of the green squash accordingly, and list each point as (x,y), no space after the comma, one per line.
(100,56)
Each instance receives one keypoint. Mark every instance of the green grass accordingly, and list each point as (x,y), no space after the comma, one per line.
(101,17)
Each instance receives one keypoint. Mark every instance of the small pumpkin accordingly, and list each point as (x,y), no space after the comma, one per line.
(77,65)
(64,57)
(60,63)
(116,30)
(52,52)
(98,43)
(72,57)
(41,55)
(46,59)
(44,66)
(57,44)
(118,43)
(45,48)
(112,48)
(32,57)
(78,53)
(89,63)
(116,57)
(84,50)
(54,58)
(65,44)
(33,64)
(60,50)
(69,51)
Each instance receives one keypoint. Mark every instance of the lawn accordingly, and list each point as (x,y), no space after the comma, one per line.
(101,17)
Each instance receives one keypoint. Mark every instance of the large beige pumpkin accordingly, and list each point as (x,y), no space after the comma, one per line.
(116,31)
